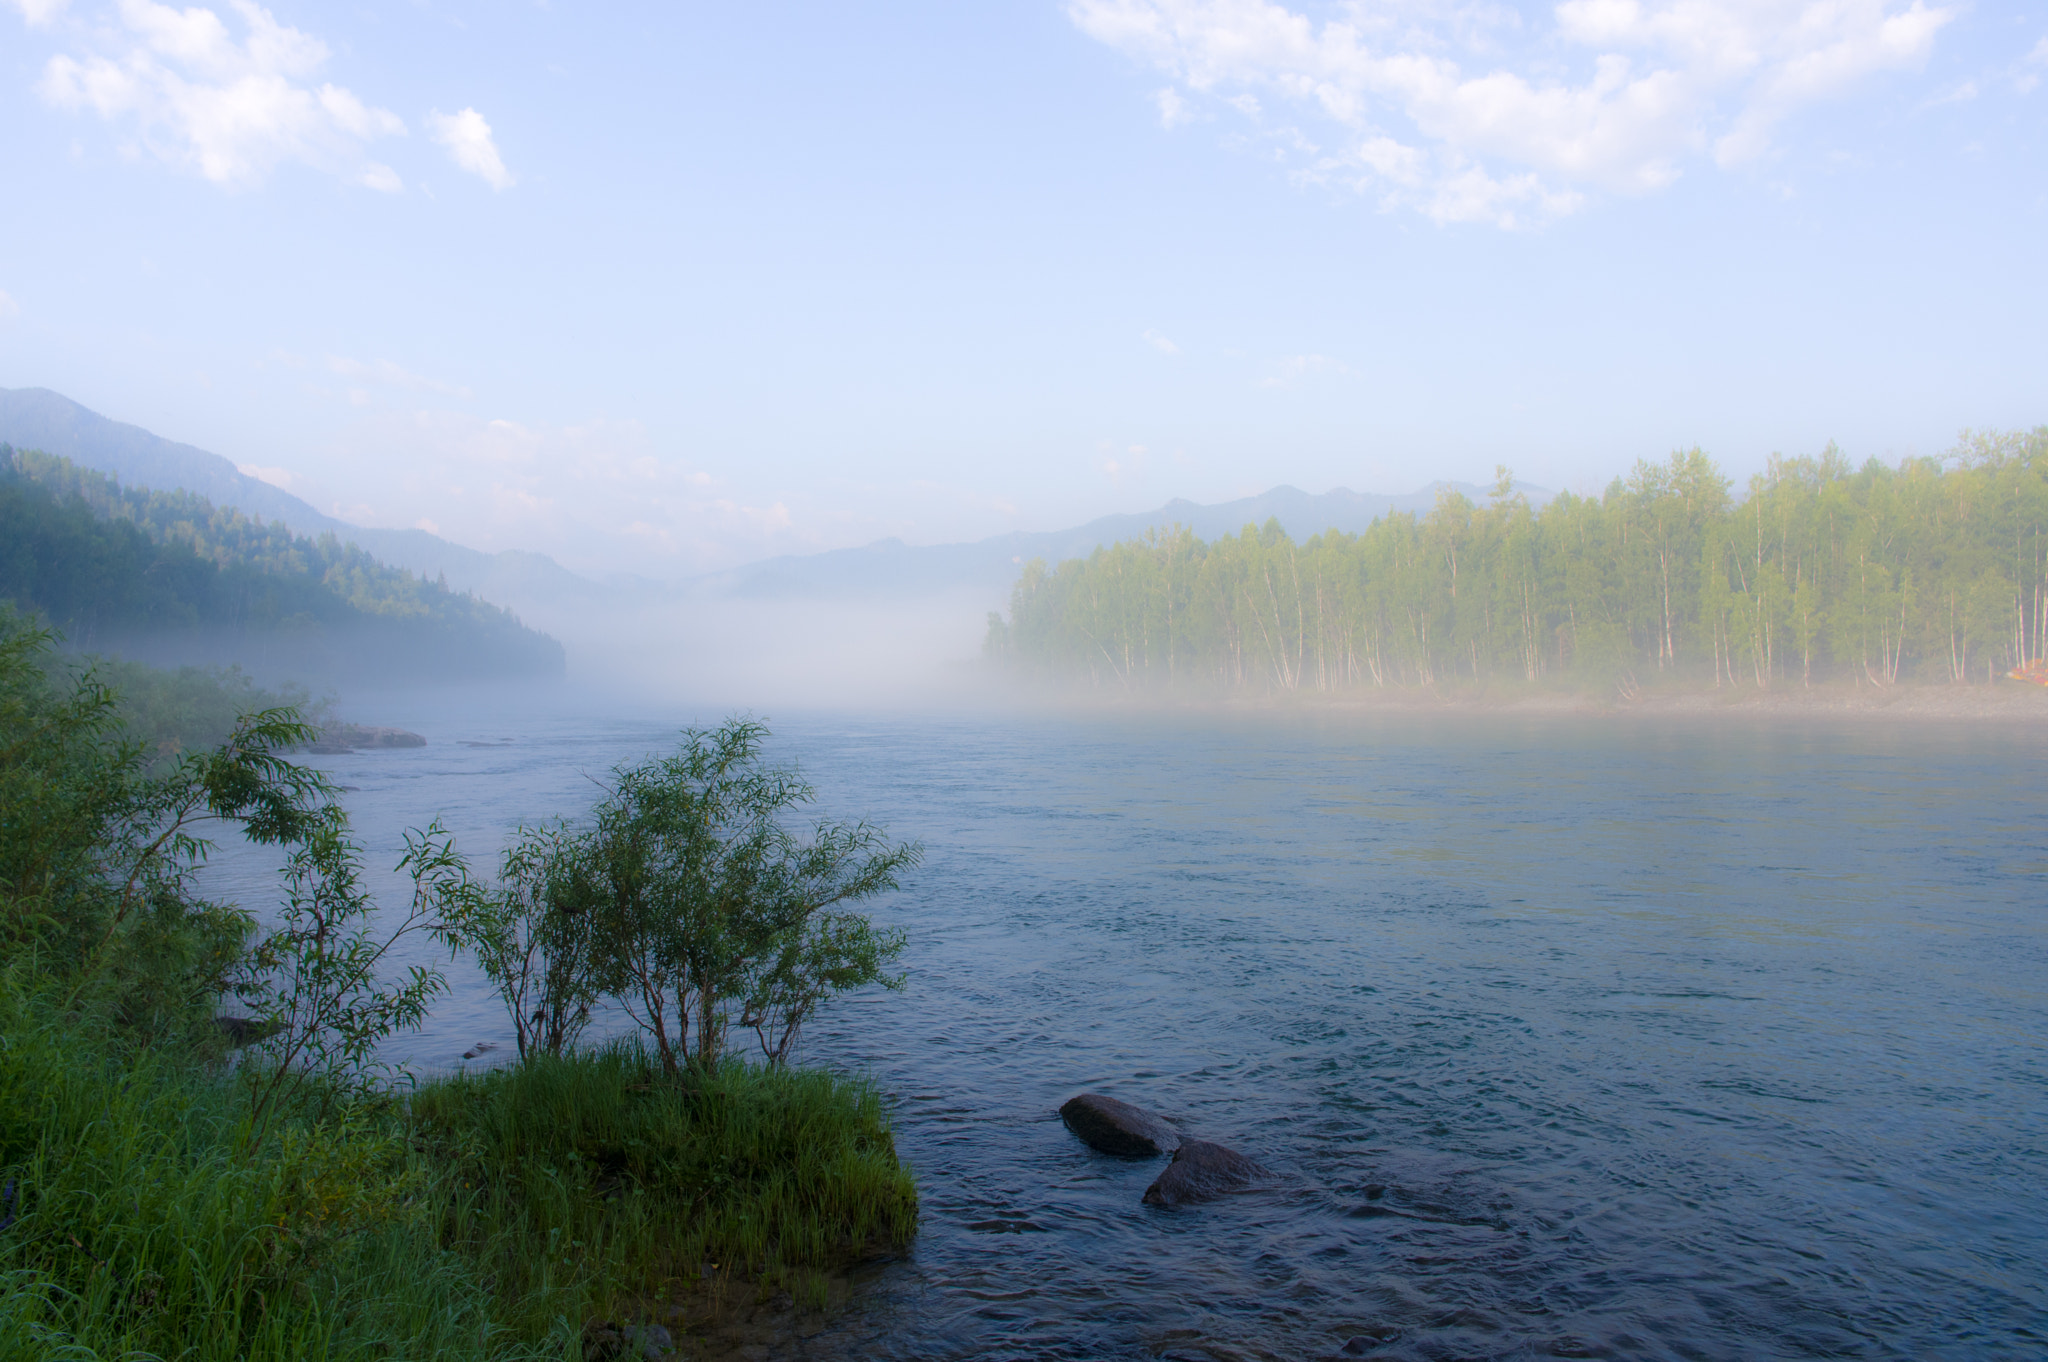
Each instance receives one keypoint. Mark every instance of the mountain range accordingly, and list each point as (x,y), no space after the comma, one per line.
(36,418)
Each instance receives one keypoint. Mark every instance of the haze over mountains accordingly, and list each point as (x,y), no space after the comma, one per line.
(537,586)
(36,418)
(170,579)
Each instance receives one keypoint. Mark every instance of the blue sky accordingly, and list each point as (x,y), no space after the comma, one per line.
(666,287)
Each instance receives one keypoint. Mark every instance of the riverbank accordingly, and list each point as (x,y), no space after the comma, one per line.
(177,1183)
(2000,702)
(2010,702)
(551,1209)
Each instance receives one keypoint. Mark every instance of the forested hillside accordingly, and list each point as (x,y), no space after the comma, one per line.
(169,577)
(1933,570)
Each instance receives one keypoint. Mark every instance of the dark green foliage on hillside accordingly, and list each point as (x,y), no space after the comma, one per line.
(1936,570)
(171,577)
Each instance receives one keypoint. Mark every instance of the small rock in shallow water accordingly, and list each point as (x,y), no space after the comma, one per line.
(1201,1171)
(358,737)
(1118,1127)
(1371,1341)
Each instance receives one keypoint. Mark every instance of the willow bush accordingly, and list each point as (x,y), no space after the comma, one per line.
(159,1198)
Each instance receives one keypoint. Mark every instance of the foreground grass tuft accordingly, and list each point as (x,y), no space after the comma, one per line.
(600,1176)
(493,1220)
(140,1227)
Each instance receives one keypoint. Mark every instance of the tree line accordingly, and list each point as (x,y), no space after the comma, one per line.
(1933,570)
(133,569)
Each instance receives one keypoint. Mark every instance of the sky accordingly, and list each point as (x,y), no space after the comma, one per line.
(664,288)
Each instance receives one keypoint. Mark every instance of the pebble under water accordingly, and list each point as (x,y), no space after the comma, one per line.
(1560,1037)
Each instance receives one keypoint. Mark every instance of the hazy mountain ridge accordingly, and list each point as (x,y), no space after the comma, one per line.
(38,419)
(890,567)
(536,585)
(170,578)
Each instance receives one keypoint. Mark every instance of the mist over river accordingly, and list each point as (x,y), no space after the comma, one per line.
(1563,1037)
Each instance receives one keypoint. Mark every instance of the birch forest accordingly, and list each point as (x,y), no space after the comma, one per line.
(1934,570)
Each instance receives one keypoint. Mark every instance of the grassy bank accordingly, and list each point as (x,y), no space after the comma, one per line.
(162,1196)
(488,1216)
(601,1178)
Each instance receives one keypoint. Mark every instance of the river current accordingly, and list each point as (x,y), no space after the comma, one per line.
(1561,1037)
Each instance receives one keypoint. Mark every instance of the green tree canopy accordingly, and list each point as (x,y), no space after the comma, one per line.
(1936,569)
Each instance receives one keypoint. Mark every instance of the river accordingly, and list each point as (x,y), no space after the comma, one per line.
(1562,1037)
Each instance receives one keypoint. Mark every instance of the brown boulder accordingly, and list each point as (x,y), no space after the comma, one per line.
(1201,1171)
(1118,1127)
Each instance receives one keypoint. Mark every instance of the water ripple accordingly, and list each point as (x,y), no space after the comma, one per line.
(1562,1038)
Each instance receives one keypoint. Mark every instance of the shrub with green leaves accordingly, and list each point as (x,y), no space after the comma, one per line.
(160,1200)
(687,897)
(99,843)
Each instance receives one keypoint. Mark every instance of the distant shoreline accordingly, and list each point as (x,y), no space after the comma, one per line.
(2002,702)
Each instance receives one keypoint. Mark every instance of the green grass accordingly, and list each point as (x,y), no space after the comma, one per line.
(600,1177)
(492,1220)
(144,1228)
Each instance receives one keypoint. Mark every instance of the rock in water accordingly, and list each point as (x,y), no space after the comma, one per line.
(1201,1171)
(357,737)
(1118,1127)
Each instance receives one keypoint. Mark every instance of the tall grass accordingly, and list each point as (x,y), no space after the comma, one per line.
(142,1228)
(491,1217)
(598,1176)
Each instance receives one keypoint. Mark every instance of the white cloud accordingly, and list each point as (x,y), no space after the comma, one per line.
(468,140)
(39,13)
(1293,368)
(1161,343)
(231,109)
(1173,110)
(1476,113)
(385,372)
(8,307)
(2027,80)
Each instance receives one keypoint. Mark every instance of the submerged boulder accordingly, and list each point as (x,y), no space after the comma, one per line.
(1118,1127)
(1201,1171)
